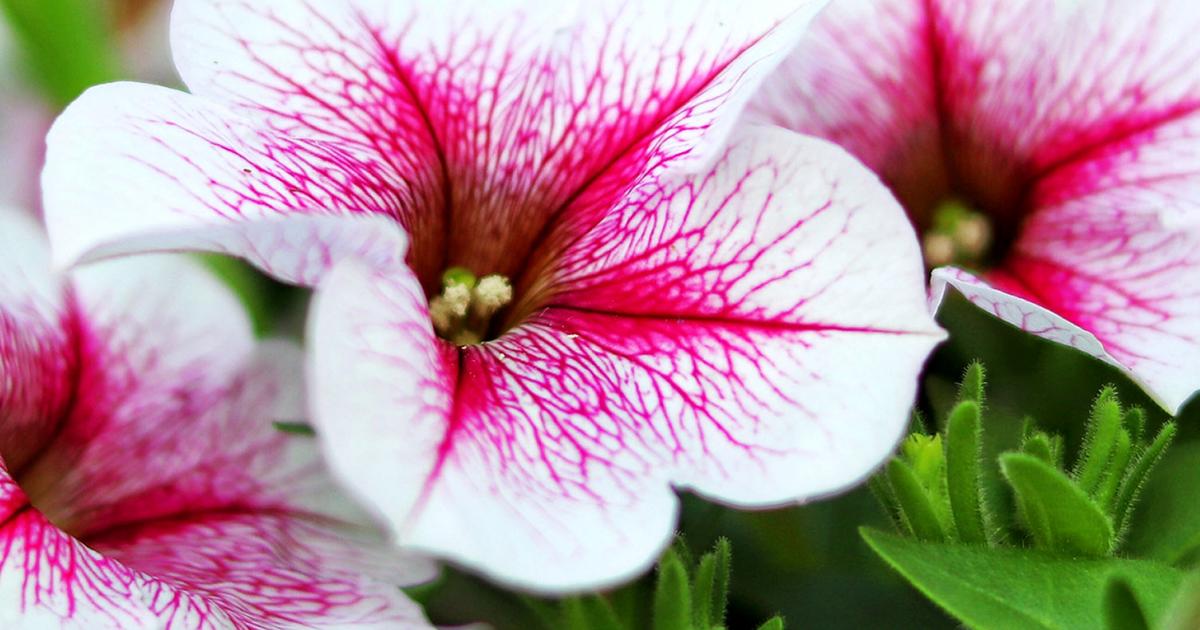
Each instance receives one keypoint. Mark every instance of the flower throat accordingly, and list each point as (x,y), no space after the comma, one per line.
(463,311)
(958,235)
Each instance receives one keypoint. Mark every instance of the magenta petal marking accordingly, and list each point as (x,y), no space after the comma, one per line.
(256,571)
(699,336)
(1073,124)
(454,120)
(37,358)
(189,174)
(48,579)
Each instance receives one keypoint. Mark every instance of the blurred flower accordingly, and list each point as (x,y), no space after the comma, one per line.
(142,483)
(23,125)
(621,299)
(25,115)
(1063,132)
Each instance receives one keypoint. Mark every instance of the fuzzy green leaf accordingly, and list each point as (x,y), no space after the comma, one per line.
(1135,423)
(1121,608)
(672,595)
(962,471)
(774,623)
(1041,446)
(1003,589)
(1099,441)
(882,491)
(711,586)
(1060,517)
(1127,495)
(1106,493)
(916,509)
(972,386)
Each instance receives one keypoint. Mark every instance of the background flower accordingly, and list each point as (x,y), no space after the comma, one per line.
(1069,127)
(142,482)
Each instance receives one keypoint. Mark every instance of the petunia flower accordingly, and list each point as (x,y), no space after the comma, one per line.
(142,482)
(609,291)
(1046,151)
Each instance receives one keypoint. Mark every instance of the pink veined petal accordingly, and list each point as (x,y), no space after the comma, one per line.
(169,372)
(1006,90)
(881,107)
(50,580)
(384,388)
(37,349)
(209,571)
(1105,251)
(737,356)
(168,171)
(477,126)
(1074,121)
(256,570)
(196,530)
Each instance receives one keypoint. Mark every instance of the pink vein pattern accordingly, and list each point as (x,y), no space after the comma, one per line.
(734,310)
(160,495)
(1074,123)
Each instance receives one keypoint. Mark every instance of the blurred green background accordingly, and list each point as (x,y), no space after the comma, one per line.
(806,563)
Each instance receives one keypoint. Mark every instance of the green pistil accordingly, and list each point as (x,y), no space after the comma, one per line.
(462,312)
(959,235)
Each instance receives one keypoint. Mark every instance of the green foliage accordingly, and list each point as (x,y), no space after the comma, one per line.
(1121,608)
(1169,528)
(933,488)
(774,623)
(688,595)
(672,595)
(917,508)
(1021,589)
(711,586)
(295,428)
(65,44)
(963,453)
(1069,525)
(1058,515)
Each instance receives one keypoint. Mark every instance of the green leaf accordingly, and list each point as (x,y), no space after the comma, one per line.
(1121,608)
(1040,445)
(916,509)
(1059,516)
(1106,493)
(1167,526)
(1132,485)
(712,586)
(672,596)
(972,386)
(295,428)
(1101,438)
(1019,589)
(962,471)
(1135,423)
(882,491)
(683,552)
(774,623)
(589,612)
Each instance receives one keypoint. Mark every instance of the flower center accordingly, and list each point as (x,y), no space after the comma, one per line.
(462,313)
(958,235)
